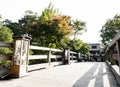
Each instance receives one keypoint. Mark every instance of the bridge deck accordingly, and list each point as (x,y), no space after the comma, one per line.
(84,74)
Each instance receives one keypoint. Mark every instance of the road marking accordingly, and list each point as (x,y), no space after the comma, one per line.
(91,83)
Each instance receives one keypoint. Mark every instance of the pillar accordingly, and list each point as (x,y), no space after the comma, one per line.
(66,56)
(20,56)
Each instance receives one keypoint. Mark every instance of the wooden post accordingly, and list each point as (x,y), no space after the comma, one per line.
(79,57)
(118,53)
(20,57)
(66,56)
(72,56)
(107,56)
(49,57)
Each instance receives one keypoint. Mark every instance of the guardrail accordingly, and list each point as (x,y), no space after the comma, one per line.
(58,55)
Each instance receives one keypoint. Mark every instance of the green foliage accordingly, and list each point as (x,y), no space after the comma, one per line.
(75,44)
(23,25)
(5,51)
(50,29)
(50,32)
(5,36)
(85,49)
(108,31)
(48,13)
(79,27)
(79,45)
(46,30)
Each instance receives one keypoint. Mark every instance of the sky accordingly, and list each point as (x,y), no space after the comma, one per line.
(93,12)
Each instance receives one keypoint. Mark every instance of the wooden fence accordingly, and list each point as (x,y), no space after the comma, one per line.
(113,56)
(20,57)
(49,56)
(4,70)
(5,57)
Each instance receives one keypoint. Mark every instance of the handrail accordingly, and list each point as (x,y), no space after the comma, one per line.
(3,44)
(4,70)
(44,48)
(4,57)
(48,56)
(113,56)
(73,52)
(117,36)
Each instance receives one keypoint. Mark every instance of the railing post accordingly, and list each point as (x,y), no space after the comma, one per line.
(49,57)
(71,56)
(79,57)
(20,56)
(66,56)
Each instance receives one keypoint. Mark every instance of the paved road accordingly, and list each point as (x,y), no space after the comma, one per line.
(84,74)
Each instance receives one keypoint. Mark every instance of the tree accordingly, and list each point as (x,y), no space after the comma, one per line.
(46,30)
(109,29)
(85,49)
(49,13)
(79,45)
(5,33)
(23,25)
(50,29)
(75,44)
(79,27)
(16,28)
(5,36)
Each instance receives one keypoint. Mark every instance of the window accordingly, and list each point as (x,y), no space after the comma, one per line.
(94,47)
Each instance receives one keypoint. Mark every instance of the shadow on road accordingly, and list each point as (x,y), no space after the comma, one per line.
(95,77)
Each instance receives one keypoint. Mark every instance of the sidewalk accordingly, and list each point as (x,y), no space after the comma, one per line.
(83,74)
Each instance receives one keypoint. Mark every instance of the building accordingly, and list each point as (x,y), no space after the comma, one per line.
(96,52)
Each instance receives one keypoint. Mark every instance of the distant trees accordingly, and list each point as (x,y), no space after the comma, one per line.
(109,29)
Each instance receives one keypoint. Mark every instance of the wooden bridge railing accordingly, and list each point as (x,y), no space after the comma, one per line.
(21,58)
(48,56)
(58,55)
(5,69)
(4,45)
(113,56)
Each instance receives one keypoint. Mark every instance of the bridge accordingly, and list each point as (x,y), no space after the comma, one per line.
(61,68)
(83,74)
